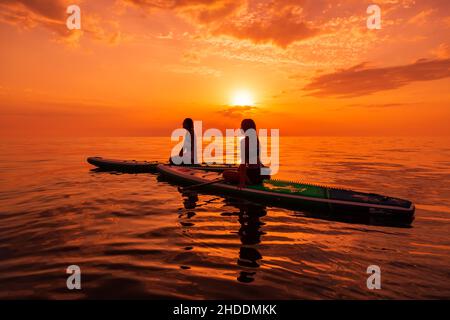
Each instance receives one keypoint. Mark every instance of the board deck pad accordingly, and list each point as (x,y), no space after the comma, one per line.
(287,187)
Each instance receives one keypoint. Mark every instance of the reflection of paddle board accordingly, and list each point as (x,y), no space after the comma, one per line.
(134,166)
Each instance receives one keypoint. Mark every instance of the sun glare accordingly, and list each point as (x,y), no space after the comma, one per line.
(242,98)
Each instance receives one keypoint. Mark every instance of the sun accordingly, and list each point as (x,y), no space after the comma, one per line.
(242,98)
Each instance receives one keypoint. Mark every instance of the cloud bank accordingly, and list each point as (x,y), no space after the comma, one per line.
(362,80)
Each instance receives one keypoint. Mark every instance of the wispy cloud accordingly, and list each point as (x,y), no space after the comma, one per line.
(195,69)
(442,51)
(238,111)
(51,14)
(277,22)
(31,13)
(362,80)
(377,105)
(281,23)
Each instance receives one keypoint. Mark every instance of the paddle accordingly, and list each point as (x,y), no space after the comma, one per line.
(200,185)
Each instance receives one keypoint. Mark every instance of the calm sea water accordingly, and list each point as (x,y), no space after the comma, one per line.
(134,236)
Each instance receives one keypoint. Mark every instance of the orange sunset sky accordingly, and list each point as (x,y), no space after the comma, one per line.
(307,67)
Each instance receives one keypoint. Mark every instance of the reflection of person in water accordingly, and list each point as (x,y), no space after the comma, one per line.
(249,232)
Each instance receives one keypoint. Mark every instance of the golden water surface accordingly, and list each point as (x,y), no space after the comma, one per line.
(135,236)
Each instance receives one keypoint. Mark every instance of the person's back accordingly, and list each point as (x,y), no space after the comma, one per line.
(188,152)
(250,152)
(249,172)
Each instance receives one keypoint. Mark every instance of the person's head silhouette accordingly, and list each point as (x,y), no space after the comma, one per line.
(188,124)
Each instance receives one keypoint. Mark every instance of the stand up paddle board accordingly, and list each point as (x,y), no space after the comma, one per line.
(133,166)
(300,196)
